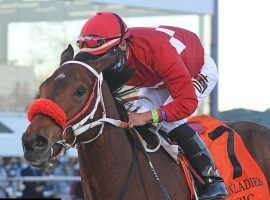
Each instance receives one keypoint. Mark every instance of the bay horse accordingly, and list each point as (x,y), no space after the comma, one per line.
(111,165)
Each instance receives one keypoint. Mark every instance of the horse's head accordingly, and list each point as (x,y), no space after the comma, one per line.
(68,98)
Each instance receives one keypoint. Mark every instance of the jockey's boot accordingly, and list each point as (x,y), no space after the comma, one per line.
(201,161)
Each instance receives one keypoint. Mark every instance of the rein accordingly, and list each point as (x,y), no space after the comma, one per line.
(80,128)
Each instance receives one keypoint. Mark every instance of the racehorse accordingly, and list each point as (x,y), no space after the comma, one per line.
(74,108)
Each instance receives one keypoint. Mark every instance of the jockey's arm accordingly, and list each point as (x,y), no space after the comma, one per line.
(177,79)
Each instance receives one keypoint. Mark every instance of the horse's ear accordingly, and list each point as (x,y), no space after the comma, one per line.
(67,54)
(104,62)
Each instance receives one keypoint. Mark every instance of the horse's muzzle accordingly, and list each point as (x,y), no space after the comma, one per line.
(36,151)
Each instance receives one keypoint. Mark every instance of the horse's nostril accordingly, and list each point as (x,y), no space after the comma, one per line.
(39,142)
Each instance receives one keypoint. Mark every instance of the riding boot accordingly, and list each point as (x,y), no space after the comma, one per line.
(201,161)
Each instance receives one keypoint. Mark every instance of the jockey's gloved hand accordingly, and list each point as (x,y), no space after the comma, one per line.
(139,119)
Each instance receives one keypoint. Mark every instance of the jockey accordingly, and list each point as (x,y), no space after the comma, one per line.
(170,67)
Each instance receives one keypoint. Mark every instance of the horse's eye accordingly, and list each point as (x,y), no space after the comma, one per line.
(80,91)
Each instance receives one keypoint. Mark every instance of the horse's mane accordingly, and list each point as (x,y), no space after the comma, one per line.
(122,105)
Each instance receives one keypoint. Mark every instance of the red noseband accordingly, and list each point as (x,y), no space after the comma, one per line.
(48,108)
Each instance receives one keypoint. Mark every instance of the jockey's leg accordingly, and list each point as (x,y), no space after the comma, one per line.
(193,146)
(200,159)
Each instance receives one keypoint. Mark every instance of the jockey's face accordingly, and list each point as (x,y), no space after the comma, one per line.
(123,45)
(118,74)
(121,51)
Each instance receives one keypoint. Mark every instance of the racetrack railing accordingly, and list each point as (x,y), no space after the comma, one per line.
(17,182)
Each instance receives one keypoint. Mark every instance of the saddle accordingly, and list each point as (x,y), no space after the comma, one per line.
(242,176)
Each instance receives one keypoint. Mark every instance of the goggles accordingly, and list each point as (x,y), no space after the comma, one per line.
(93,41)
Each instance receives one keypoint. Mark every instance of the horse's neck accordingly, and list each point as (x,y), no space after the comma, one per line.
(105,162)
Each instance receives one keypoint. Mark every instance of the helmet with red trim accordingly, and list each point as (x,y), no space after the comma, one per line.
(106,34)
(102,32)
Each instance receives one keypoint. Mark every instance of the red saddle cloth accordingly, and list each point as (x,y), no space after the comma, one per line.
(242,176)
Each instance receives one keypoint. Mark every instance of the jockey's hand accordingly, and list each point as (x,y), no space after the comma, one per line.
(139,119)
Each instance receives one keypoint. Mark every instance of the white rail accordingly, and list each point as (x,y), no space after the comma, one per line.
(17,181)
(42,178)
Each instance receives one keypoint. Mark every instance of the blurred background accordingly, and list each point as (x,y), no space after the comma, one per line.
(33,34)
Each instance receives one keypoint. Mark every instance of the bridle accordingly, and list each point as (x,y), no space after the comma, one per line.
(81,127)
